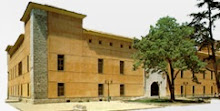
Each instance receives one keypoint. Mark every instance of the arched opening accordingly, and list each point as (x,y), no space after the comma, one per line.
(154,89)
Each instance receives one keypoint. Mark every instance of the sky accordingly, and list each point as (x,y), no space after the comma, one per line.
(131,18)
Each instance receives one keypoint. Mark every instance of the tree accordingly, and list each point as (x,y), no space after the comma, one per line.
(203,23)
(167,50)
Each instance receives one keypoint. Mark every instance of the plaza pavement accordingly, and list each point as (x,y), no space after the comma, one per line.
(213,106)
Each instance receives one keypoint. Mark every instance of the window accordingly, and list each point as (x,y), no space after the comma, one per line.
(203,75)
(90,40)
(211,75)
(18,90)
(60,62)
(28,92)
(181,88)
(100,65)
(182,73)
(212,90)
(122,90)
(203,90)
(193,90)
(121,67)
(21,90)
(27,63)
(121,46)
(20,68)
(100,42)
(100,89)
(60,89)
(129,47)
(110,44)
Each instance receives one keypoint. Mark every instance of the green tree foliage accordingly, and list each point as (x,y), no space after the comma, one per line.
(167,50)
(203,23)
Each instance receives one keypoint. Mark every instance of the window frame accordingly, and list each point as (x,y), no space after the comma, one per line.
(122,65)
(100,90)
(20,68)
(122,89)
(60,89)
(60,62)
(100,66)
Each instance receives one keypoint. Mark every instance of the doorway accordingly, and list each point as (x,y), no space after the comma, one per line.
(154,89)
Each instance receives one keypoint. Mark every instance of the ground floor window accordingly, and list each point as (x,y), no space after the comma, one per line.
(28,92)
(100,89)
(60,89)
(193,90)
(122,90)
(181,88)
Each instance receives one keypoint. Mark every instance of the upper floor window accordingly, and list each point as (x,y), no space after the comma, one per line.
(204,75)
(121,67)
(182,73)
(100,42)
(27,63)
(129,47)
(20,68)
(100,65)
(60,62)
(121,46)
(90,40)
(211,75)
(111,44)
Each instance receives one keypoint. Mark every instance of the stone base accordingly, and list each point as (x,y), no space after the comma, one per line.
(66,100)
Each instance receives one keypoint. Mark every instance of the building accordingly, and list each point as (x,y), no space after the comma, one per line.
(57,60)
(204,85)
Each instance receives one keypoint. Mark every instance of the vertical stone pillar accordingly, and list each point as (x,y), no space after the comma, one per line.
(38,54)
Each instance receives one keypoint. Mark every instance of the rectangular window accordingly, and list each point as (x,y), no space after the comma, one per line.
(181,90)
(60,89)
(211,75)
(90,40)
(193,90)
(204,75)
(28,93)
(121,67)
(27,63)
(122,90)
(121,46)
(21,90)
(100,89)
(203,90)
(18,90)
(181,73)
(20,68)
(60,62)
(100,65)
(212,90)
(100,42)
(111,44)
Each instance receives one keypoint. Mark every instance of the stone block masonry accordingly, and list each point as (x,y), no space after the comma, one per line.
(38,54)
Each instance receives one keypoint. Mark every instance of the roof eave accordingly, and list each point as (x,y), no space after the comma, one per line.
(31,6)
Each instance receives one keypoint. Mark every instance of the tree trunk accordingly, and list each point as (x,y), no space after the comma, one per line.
(172,89)
(215,66)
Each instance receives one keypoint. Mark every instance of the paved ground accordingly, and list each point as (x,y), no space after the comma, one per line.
(91,106)
(213,106)
(114,105)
